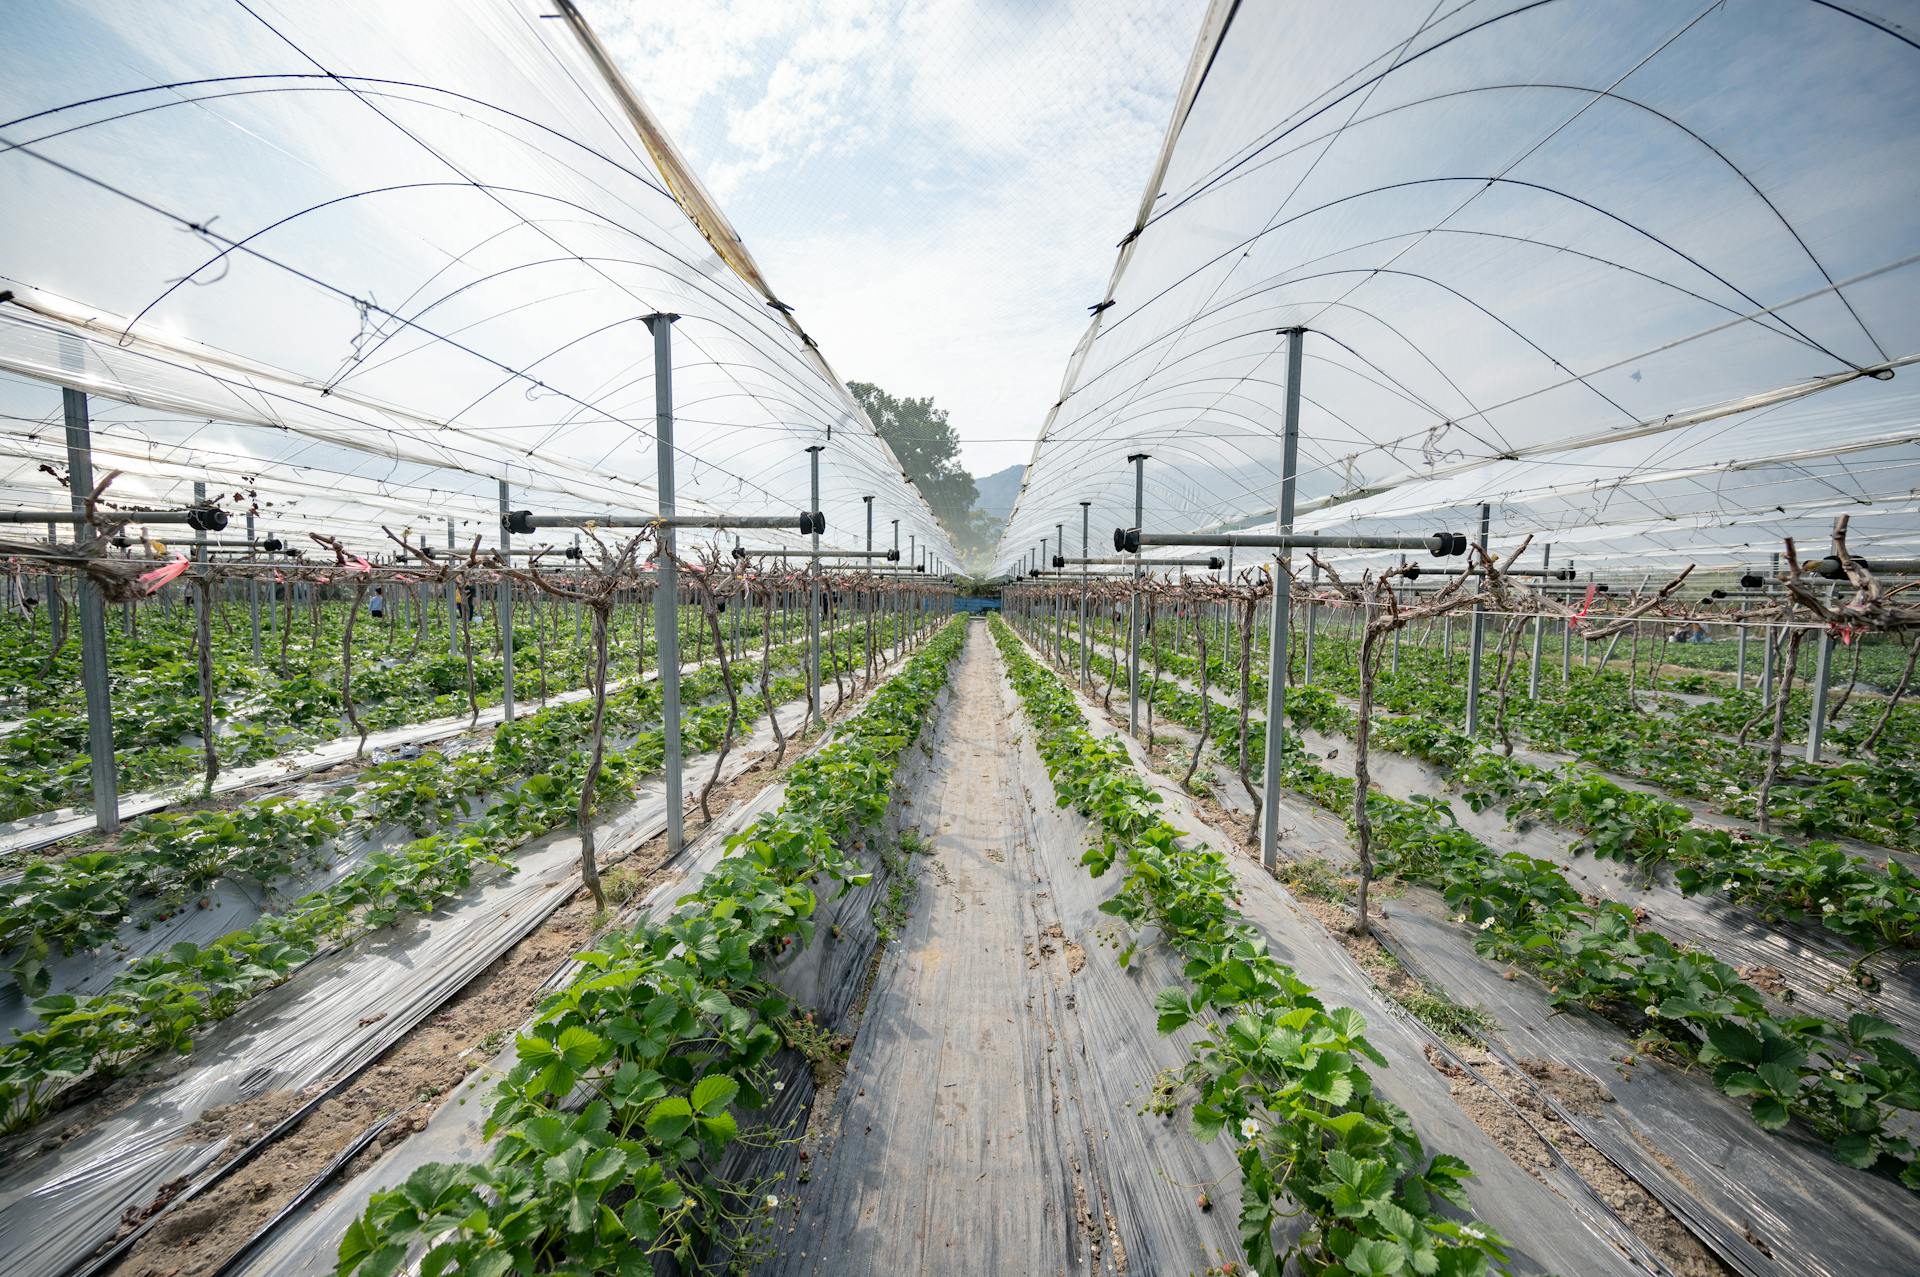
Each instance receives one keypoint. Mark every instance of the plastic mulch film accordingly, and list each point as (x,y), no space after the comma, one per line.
(992,1114)
(218,909)
(1766,1202)
(338,1013)
(1769,1203)
(33,832)
(1821,970)
(1557,1226)
(401,251)
(826,976)
(1629,264)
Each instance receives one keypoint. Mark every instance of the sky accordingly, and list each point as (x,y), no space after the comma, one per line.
(936,186)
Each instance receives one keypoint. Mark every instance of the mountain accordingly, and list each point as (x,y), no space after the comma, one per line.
(996,494)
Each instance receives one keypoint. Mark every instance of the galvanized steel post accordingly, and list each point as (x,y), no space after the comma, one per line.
(1277,629)
(870,593)
(94,673)
(50,589)
(814,695)
(666,599)
(1478,637)
(503,603)
(1059,604)
(1533,670)
(453,603)
(1139,460)
(253,593)
(1313,612)
(1766,647)
(1085,576)
(1822,668)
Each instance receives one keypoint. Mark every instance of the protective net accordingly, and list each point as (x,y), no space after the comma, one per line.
(1639,276)
(355,264)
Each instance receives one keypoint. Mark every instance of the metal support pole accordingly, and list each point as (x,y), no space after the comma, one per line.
(50,599)
(1059,604)
(1226,609)
(1766,646)
(1313,612)
(1822,668)
(1478,638)
(453,604)
(1039,604)
(1533,669)
(1085,654)
(814,690)
(1139,460)
(1277,629)
(666,598)
(503,603)
(869,504)
(1817,721)
(1766,665)
(1396,633)
(95,675)
(1740,659)
(253,596)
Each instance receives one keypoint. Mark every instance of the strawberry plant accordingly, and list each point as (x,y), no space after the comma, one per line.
(670,1033)
(1273,1066)
(159,1003)
(1853,1084)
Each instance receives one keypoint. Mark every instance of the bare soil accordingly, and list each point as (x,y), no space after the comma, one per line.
(1535,1134)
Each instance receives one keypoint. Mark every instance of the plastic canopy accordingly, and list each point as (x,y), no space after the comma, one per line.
(1640,276)
(371,259)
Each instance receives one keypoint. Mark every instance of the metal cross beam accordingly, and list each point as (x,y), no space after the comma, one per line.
(1438,544)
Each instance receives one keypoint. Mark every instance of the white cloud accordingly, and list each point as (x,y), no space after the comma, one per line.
(937,188)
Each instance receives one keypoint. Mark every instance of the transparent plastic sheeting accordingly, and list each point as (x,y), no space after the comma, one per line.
(1535,245)
(425,233)
(295,485)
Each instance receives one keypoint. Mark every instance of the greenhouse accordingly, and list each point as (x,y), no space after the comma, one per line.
(511,762)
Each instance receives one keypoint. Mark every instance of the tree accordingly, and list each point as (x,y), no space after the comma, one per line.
(929,450)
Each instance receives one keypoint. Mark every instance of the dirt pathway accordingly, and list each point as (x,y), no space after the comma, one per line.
(971,1133)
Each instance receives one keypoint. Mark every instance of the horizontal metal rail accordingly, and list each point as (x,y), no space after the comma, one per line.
(523,522)
(1414,572)
(1439,544)
(1213,562)
(213,518)
(1830,569)
(750,551)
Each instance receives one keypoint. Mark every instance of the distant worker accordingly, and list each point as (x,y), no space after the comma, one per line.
(377,605)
